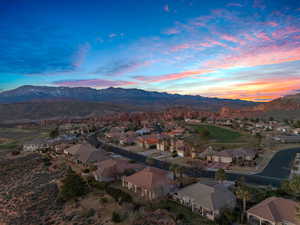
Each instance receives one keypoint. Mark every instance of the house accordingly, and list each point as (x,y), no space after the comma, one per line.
(224,156)
(147,142)
(208,199)
(85,153)
(288,139)
(127,140)
(143,131)
(273,211)
(283,129)
(164,143)
(36,145)
(112,169)
(231,155)
(150,142)
(296,131)
(149,183)
(207,154)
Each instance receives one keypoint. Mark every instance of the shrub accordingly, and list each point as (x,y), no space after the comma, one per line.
(174,154)
(73,186)
(96,184)
(16,152)
(104,200)
(116,218)
(118,195)
(85,170)
(88,213)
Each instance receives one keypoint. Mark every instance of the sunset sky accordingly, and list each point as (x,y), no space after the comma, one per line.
(246,49)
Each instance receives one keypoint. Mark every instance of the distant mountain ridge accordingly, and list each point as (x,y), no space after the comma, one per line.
(139,97)
(287,107)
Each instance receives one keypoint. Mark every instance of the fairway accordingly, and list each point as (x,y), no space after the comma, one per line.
(218,133)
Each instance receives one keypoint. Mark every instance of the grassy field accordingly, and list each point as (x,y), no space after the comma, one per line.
(218,133)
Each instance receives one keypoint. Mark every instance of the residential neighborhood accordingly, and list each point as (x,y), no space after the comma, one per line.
(157,160)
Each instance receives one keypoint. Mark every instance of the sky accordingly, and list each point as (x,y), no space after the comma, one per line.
(239,49)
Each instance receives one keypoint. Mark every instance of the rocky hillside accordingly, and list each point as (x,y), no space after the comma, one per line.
(37,110)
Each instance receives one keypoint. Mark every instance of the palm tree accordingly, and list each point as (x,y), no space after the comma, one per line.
(298,212)
(180,170)
(173,168)
(243,194)
(220,175)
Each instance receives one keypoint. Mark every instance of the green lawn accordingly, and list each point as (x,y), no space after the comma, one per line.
(218,133)
(10,145)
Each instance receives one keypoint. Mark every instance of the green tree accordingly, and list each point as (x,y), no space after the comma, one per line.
(54,133)
(297,124)
(292,186)
(240,181)
(150,161)
(116,217)
(243,193)
(220,175)
(73,186)
(203,119)
(180,170)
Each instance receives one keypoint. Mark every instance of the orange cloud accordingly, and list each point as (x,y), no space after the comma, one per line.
(173,76)
(260,90)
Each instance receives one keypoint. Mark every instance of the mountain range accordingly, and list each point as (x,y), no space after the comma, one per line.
(44,102)
(117,96)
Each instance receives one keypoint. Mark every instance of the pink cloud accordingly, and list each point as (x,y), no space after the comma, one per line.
(231,38)
(81,55)
(282,33)
(93,83)
(207,44)
(181,47)
(214,42)
(263,36)
(259,4)
(234,4)
(271,23)
(248,37)
(112,35)
(166,8)
(297,37)
(172,31)
(173,76)
(256,57)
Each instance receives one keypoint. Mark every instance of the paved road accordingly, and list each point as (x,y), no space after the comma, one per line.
(280,164)
(272,175)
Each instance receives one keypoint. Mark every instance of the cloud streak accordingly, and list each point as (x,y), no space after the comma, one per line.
(97,83)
